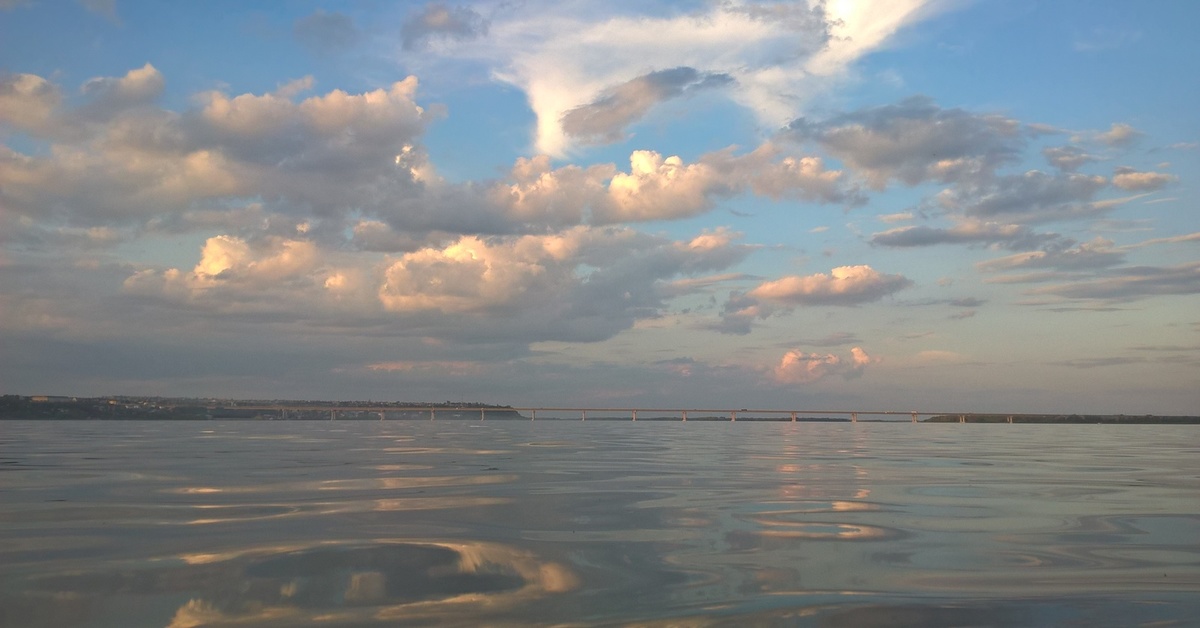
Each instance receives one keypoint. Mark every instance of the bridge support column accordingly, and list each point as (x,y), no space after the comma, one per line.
(854,417)
(635,415)
(533,415)
(583,415)
(481,414)
(733,416)
(1010,418)
(793,417)
(914,415)
(962,418)
(431,414)
(685,415)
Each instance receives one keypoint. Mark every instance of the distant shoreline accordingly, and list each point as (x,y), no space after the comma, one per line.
(118,408)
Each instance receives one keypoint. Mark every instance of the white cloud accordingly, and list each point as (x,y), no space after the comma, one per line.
(777,55)
(843,286)
(1131,179)
(798,367)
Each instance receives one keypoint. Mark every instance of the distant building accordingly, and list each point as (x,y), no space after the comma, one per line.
(51,399)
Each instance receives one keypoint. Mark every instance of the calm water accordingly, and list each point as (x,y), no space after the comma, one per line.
(597,523)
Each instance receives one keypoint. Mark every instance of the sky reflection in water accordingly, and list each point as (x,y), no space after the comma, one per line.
(455,523)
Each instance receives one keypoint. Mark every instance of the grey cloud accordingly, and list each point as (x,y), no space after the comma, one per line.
(1135,282)
(835,339)
(1016,237)
(1067,158)
(438,20)
(1061,255)
(1030,197)
(1091,363)
(957,316)
(968,302)
(604,119)
(916,141)
(326,32)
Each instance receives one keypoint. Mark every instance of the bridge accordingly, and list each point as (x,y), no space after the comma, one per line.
(582,413)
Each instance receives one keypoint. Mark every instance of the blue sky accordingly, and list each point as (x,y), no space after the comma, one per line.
(914,204)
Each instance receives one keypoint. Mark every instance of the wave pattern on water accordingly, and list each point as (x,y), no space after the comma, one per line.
(598,523)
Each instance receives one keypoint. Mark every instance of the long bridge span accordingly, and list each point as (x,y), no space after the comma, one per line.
(433,412)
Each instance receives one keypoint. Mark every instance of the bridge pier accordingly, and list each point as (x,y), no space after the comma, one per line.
(854,417)
(962,418)
(733,416)
(481,414)
(635,415)
(793,417)
(685,416)
(533,415)
(914,417)
(583,415)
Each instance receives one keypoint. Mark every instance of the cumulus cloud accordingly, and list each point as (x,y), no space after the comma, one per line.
(915,141)
(580,285)
(843,286)
(798,367)
(28,102)
(1119,135)
(661,188)
(118,157)
(439,21)
(1134,180)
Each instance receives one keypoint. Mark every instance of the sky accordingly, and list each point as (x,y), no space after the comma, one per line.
(929,205)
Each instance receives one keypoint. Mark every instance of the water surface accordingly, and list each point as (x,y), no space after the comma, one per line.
(597,523)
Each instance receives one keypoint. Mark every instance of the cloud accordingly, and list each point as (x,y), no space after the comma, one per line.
(915,141)
(898,217)
(1068,158)
(603,120)
(1131,179)
(661,188)
(1031,197)
(326,32)
(832,340)
(1119,135)
(843,286)
(439,21)
(1098,253)
(798,367)
(601,70)
(579,285)
(117,158)
(28,102)
(110,95)
(1130,283)
(1011,236)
